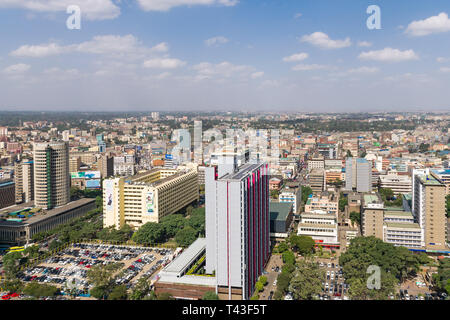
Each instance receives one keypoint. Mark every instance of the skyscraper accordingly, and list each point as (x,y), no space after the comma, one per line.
(24,179)
(237,228)
(428,206)
(51,174)
(358,175)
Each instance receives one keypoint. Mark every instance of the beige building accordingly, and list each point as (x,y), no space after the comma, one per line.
(317,180)
(148,196)
(74,164)
(51,174)
(372,217)
(24,179)
(428,205)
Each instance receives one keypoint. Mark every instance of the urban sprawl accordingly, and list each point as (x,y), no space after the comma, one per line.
(224,206)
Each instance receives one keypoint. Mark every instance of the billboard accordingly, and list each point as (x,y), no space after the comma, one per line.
(150,202)
(93,184)
(108,186)
(85,175)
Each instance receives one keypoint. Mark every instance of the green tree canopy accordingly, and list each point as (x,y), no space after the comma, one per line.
(306,280)
(186,236)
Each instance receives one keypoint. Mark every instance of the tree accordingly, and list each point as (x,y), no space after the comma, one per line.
(263,280)
(140,290)
(355,217)
(306,191)
(395,263)
(38,290)
(172,224)
(259,286)
(288,257)
(274,194)
(303,244)
(186,236)
(189,210)
(118,293)
(343,201)
(306,281)
(283,280)
(101,276)
(282,247)
(150,233)
(210,295)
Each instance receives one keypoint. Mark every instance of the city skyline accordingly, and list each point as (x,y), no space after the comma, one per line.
(229,55)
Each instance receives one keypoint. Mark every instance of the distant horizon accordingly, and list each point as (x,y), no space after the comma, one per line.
(233,55)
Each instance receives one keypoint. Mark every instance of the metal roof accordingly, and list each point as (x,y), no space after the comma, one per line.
(187,257)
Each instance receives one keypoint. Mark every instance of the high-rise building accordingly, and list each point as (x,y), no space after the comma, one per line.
(237,227)
(428,206)
(74,164)
(317,180)
(51,174)
(24,179)
(358,175)
(106,166)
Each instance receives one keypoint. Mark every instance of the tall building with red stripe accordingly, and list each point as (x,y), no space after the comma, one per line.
(237,227)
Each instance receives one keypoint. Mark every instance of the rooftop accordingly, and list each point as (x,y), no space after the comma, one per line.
(279,210)
(402,225)
(429,180)
(242,172)
(183,261)
(398,214)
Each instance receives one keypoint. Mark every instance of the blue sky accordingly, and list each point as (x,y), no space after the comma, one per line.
(225,55)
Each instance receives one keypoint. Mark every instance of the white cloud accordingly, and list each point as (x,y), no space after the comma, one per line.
(17,69)
(322,40)
(163,63)
(38,51)
(106,45)
(216,41)
(389,55)
(166,5)
(257,75)
(364,70)
(297,15)
(442,59)
(308,67)
(364,44)
(225,69)
(296,57)
(434,24)
(90,9)
(444,69)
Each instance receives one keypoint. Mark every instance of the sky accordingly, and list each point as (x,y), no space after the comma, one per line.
(225,55)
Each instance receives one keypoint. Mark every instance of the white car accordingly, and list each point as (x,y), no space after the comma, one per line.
(328,272)
(329,265)
(288,297)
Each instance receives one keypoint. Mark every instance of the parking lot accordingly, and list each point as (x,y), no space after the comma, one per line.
(334,286)
(68,268)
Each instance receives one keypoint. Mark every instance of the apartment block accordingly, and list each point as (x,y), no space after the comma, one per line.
(428,205)
(148,196)
(24,179)
(237,228)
